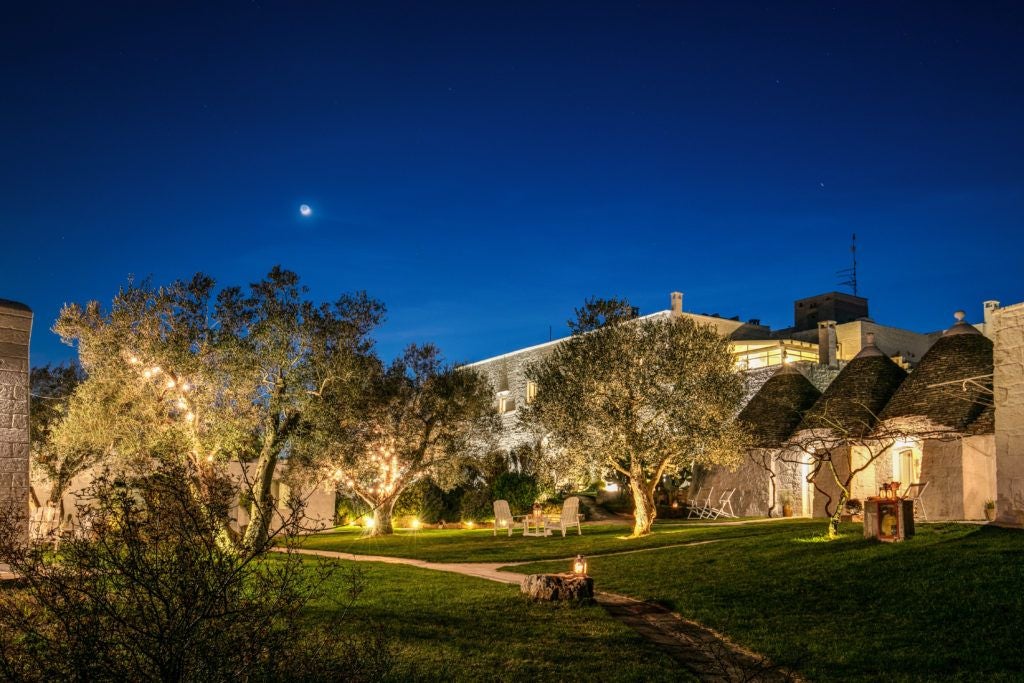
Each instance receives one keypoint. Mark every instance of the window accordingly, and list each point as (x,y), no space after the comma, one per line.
(506,404)
(531,391)
(906,466)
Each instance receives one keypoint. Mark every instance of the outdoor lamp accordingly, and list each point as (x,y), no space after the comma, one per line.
(579,566)
(415,524)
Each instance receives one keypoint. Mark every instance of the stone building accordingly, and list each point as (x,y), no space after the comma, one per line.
(935,425)
(820,349)
(15,331)
(764,481)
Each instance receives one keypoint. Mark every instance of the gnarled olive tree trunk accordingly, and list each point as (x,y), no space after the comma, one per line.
(644,510)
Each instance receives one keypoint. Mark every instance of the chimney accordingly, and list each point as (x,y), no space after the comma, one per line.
(677,303)
(827,343)
(990,308)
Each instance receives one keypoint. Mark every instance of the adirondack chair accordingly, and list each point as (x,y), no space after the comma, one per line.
(706,508)
(914,493)
(503,518)
(724,507)
(569,518)
(694,504)
(699,509)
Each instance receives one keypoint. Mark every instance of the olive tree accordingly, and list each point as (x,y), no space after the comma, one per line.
(188,372)
(418,417)
(641,396)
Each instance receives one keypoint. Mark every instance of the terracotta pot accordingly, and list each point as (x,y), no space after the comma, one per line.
(787,510)
(990,514)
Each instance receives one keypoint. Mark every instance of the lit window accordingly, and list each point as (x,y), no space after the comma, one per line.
(506,404)
(531,391)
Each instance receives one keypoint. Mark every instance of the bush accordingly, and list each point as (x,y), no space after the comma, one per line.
(156,591)
(520,490)
(425,501)
(348,510)
(476,504)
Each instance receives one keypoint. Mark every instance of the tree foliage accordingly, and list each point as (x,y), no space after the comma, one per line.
(149,594)
(643,397)
(186,372)
(416,418)
(51,388)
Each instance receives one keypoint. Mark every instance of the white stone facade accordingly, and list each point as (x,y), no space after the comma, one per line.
(1007,334)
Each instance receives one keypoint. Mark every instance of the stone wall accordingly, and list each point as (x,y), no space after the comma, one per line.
(942,466)
(1008,381)
(750,499)
(507,374)
(979,474)
(15,330)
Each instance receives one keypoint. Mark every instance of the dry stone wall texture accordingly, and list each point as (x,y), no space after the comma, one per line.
(15,330)
(1008,382)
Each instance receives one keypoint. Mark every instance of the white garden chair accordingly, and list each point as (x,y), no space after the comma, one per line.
(724,507)
(569,518)
(503,518)
(694,504)
(914,493)
(702,509)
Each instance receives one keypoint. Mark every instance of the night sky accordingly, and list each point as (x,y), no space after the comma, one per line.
(484,167)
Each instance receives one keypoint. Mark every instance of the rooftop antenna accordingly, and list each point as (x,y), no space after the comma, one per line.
(850,273)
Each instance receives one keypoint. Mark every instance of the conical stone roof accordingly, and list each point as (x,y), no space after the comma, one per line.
(853,401)
(960,353)
(777,408)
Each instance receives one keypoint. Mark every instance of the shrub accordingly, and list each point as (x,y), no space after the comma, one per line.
(156,591)
(425,501)
(520,490)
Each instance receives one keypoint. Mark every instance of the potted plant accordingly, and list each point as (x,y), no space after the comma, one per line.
(990,510)
(787,504)
(852,511)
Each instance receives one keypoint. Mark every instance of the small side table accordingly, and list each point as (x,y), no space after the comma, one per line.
(535,525)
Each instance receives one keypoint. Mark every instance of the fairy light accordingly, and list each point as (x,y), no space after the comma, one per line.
(170,384)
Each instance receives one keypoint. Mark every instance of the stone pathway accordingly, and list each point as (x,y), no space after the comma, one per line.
(705,653)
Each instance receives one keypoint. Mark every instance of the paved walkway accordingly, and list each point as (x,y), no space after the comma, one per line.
(707,654)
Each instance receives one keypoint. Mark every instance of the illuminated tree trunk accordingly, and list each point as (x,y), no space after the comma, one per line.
(644,510)
(262,507)
(833,521)
(382,514)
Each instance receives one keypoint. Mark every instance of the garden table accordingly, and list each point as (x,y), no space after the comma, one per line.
(535,525)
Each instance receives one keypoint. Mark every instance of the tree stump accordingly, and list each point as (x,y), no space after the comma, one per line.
(552,587)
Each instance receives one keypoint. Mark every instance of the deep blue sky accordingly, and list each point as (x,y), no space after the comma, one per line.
(484,167)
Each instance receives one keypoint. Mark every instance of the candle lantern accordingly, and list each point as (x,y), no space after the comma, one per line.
(579,566)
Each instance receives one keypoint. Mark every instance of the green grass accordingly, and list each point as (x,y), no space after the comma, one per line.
(480,545)
(948,604)
(450,627)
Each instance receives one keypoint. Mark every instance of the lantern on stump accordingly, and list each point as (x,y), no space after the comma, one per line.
(579,566)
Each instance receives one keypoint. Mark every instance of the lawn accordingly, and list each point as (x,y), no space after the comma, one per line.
(948,604)
(480,545)
(450,627)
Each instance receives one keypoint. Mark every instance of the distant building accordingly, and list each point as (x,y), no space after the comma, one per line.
(827,346)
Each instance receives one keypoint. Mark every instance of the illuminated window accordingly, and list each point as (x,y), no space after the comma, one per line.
(531,391)
(506,404)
